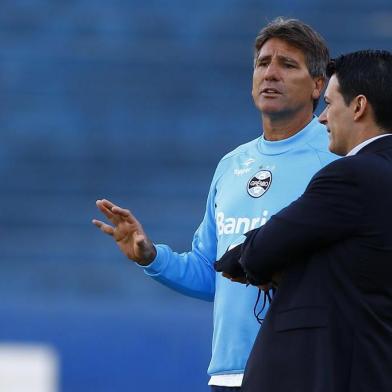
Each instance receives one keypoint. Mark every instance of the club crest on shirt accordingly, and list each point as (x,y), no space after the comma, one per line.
(259,183)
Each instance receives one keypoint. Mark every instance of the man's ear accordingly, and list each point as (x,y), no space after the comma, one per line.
(360,104)
(319,84)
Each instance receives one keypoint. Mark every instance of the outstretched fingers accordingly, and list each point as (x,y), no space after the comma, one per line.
(106,208)
(124,214)
(115,213)
(107,229)
(122,219)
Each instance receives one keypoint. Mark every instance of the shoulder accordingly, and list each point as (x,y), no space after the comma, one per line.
(241,152)
(338,182)
(348,181)
(319,143)
(350,169)
(242,149)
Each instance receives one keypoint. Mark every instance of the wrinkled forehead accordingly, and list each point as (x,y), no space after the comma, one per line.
(277,47)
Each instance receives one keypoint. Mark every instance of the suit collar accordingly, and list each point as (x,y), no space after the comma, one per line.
(382,143)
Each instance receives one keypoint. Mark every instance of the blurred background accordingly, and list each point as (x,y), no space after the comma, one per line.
(135,101)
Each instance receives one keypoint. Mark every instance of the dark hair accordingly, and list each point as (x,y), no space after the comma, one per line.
(301,36)
(368,73)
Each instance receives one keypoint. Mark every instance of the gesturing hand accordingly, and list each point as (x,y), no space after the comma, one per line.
(127,232)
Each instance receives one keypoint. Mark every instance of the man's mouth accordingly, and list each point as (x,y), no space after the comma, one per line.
(269,91)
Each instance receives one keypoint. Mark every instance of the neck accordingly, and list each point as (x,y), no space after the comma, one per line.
(280,127)
(364,133)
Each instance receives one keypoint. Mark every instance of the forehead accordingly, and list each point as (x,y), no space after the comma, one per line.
(333,87)
(280,47)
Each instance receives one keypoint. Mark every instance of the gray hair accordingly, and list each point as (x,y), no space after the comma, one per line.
(301,36)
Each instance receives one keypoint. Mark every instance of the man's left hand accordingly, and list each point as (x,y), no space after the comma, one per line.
(230,267)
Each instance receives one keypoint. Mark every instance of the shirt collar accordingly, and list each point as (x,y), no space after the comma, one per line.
(365,143)
(277,147)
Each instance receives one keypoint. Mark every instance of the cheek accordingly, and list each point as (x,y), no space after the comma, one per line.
(255,82)
(333,116)
(301,90)
(257,76)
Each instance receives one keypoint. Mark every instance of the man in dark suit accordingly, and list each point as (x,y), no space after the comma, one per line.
(329,327)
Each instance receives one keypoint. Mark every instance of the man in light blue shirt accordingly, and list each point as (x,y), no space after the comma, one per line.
(250,184)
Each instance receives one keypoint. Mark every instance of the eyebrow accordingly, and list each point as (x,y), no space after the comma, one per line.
(280,57)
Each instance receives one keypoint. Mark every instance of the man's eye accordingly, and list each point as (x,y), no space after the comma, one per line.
(289,65)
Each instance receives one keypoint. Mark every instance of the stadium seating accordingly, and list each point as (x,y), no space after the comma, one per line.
(135,101)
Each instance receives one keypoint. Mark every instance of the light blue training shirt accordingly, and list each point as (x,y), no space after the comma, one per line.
(250,184)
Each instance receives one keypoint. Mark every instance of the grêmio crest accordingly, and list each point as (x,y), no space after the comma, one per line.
(259,183)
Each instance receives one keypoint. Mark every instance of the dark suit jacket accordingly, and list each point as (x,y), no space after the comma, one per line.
(329,328)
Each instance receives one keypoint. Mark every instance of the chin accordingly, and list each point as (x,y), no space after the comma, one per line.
(336,150)
(268,105)
(331,146)
(270,108)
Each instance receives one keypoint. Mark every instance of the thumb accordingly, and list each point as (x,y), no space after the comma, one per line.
(143,243)
(140,239)
(147,251)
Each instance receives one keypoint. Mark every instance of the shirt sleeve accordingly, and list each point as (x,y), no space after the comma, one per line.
(191,273)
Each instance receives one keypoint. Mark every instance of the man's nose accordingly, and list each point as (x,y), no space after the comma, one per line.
(323,117)
(271,72)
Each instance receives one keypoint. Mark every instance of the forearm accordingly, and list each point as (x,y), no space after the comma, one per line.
(190,273)
(269,250)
